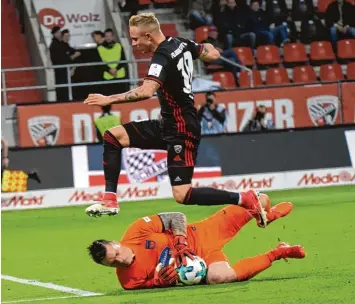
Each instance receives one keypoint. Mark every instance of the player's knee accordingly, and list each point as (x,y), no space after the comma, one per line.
(180,192)
(120,135)
(215,278)
(179,196)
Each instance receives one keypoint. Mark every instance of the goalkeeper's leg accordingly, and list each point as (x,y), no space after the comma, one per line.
(222,272)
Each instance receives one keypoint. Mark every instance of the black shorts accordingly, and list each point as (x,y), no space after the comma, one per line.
(182,150)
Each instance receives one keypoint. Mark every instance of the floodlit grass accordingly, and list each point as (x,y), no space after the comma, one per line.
(49,245)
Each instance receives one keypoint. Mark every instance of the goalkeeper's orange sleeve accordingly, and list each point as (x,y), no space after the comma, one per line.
(137,284)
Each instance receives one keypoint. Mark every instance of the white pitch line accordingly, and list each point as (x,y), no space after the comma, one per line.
(40,299)
(77,292)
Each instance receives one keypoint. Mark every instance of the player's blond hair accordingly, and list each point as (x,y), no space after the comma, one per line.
(147,20)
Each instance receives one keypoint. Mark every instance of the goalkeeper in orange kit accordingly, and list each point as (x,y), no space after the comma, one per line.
(136,256)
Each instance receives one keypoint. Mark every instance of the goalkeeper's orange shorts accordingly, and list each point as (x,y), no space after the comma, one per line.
(211,234)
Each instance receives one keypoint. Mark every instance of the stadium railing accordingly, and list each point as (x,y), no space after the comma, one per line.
(70,84)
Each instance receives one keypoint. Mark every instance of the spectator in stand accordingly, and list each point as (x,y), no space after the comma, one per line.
(106,121)
(340,19)
(111,51)
(212,116)
(72,53)
(59,57)
(228,53)
(201,13)
(258,121)
(259,23)
(131,6)
(231,23)
(98,37)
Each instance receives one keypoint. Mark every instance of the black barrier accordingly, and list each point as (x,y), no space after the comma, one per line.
(232,154)
(53,164)
(298,149)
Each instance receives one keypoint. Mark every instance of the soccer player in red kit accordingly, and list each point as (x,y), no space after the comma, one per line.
(136,256)
(178,132)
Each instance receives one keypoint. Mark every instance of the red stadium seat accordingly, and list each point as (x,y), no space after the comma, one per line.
(321,51)
(351,71)
(276,76)
(244,79)
(331,72)
(169,29)
(245,55)
(268,55)
(144,2)
(201,34)
(323,4)
(211,68)
(346,49)
(225,78)
(304,74)
(295,53)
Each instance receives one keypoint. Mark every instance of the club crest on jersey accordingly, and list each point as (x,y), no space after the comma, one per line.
(323,109)
(44,130)
(177,149)
(149,244)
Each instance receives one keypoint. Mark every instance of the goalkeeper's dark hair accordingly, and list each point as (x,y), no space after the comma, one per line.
(97,250)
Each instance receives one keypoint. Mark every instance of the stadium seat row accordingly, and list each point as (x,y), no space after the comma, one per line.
(295,53)
(279,76)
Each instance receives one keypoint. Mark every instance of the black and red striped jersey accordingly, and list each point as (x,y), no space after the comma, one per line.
(172,67)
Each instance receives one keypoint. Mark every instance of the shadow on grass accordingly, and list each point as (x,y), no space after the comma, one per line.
(218,288)
(180,288)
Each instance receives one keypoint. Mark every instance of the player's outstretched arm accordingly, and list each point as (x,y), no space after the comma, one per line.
(209,53)
(176,222)
(145,91)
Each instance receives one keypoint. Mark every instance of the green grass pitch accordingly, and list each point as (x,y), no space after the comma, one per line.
(49,245)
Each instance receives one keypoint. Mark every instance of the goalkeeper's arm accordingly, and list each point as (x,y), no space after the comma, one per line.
(176,221)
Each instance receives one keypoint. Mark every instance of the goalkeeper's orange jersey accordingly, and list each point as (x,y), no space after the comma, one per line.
(147,238)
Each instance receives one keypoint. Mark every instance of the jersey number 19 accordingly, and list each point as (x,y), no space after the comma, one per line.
(186,67)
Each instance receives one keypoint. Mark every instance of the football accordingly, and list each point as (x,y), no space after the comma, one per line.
(194,271)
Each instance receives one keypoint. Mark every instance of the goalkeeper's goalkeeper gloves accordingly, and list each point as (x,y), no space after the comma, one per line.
(165,275)
(183,251)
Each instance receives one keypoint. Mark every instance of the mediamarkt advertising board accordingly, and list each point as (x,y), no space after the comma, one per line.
(155,190)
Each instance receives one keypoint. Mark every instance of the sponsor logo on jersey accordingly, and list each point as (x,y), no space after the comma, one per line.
(155,69)
(149,244)
(323,109)
(44,130)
